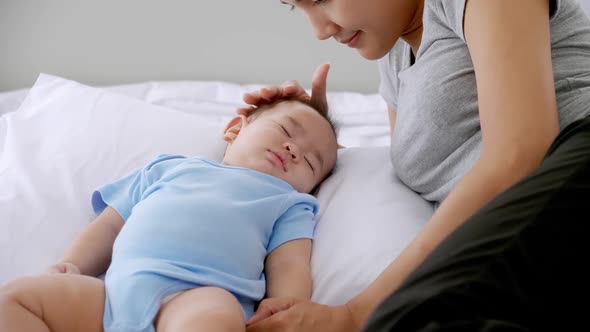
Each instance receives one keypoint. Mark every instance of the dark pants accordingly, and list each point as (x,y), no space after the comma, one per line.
(517,265)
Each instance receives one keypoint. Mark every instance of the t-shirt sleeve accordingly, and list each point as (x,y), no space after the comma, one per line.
(388,81)
(127,191)
(389,67)
(297,222)
(453,13)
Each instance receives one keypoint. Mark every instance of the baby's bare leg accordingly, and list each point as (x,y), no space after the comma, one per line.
(202,309)
(53,302)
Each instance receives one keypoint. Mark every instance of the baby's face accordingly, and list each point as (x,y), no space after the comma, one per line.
(291,142)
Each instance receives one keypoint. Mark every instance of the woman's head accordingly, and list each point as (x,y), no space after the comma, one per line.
(370,26)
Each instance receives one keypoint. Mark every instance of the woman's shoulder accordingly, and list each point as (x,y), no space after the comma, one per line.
(396,60)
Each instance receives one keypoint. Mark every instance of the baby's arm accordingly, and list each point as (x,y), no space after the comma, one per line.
(91,251)
(288,270)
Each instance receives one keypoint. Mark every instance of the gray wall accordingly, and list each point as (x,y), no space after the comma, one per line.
(105,42)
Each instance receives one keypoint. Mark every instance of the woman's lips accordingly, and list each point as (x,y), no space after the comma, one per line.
(352,41)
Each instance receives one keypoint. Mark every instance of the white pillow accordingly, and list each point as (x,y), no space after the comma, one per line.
(367,216)
(65,140)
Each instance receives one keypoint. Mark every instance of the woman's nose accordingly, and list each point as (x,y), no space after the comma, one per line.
(292,151)
(323,27)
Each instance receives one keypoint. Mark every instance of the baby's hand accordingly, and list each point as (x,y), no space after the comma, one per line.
(64,267)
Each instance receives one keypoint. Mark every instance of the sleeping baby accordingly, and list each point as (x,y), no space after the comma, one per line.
(191,243)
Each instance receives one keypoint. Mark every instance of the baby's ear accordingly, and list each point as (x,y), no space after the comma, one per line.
(233,128)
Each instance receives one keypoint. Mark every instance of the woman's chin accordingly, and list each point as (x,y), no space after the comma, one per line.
(371,54)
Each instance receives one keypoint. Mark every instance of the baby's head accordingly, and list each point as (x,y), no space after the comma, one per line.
(289,140)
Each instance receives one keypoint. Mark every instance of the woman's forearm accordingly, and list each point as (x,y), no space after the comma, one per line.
(362,305)
(475,190)
(91,251)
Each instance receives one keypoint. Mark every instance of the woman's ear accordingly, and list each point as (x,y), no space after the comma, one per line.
(233,128)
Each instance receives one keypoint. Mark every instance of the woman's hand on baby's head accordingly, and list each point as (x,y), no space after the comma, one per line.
(271,93)
(64,267)
(290,90)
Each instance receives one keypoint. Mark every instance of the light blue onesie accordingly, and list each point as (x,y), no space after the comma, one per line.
(192,222)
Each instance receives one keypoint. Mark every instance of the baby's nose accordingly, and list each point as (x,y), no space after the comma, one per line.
(292,151)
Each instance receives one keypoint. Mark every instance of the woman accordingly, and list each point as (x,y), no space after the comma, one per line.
(488,104)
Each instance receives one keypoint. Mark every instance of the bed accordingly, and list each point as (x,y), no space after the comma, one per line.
(60,139)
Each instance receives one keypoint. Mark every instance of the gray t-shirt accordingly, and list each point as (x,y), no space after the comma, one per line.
(437,136)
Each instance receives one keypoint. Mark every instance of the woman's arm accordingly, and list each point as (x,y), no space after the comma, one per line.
(510,47)
(91,251)
(288,272)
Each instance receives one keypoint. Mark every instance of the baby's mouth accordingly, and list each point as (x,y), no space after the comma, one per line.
(278,160)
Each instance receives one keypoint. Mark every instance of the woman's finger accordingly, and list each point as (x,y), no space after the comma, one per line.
(246,110)
(292,89)
(243,110)
(270,92)
(261,313)
(268,325)
(270,307)
(297,92)
(252,98)
(318,87)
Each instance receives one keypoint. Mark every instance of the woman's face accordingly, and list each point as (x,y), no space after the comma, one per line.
(370,26)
